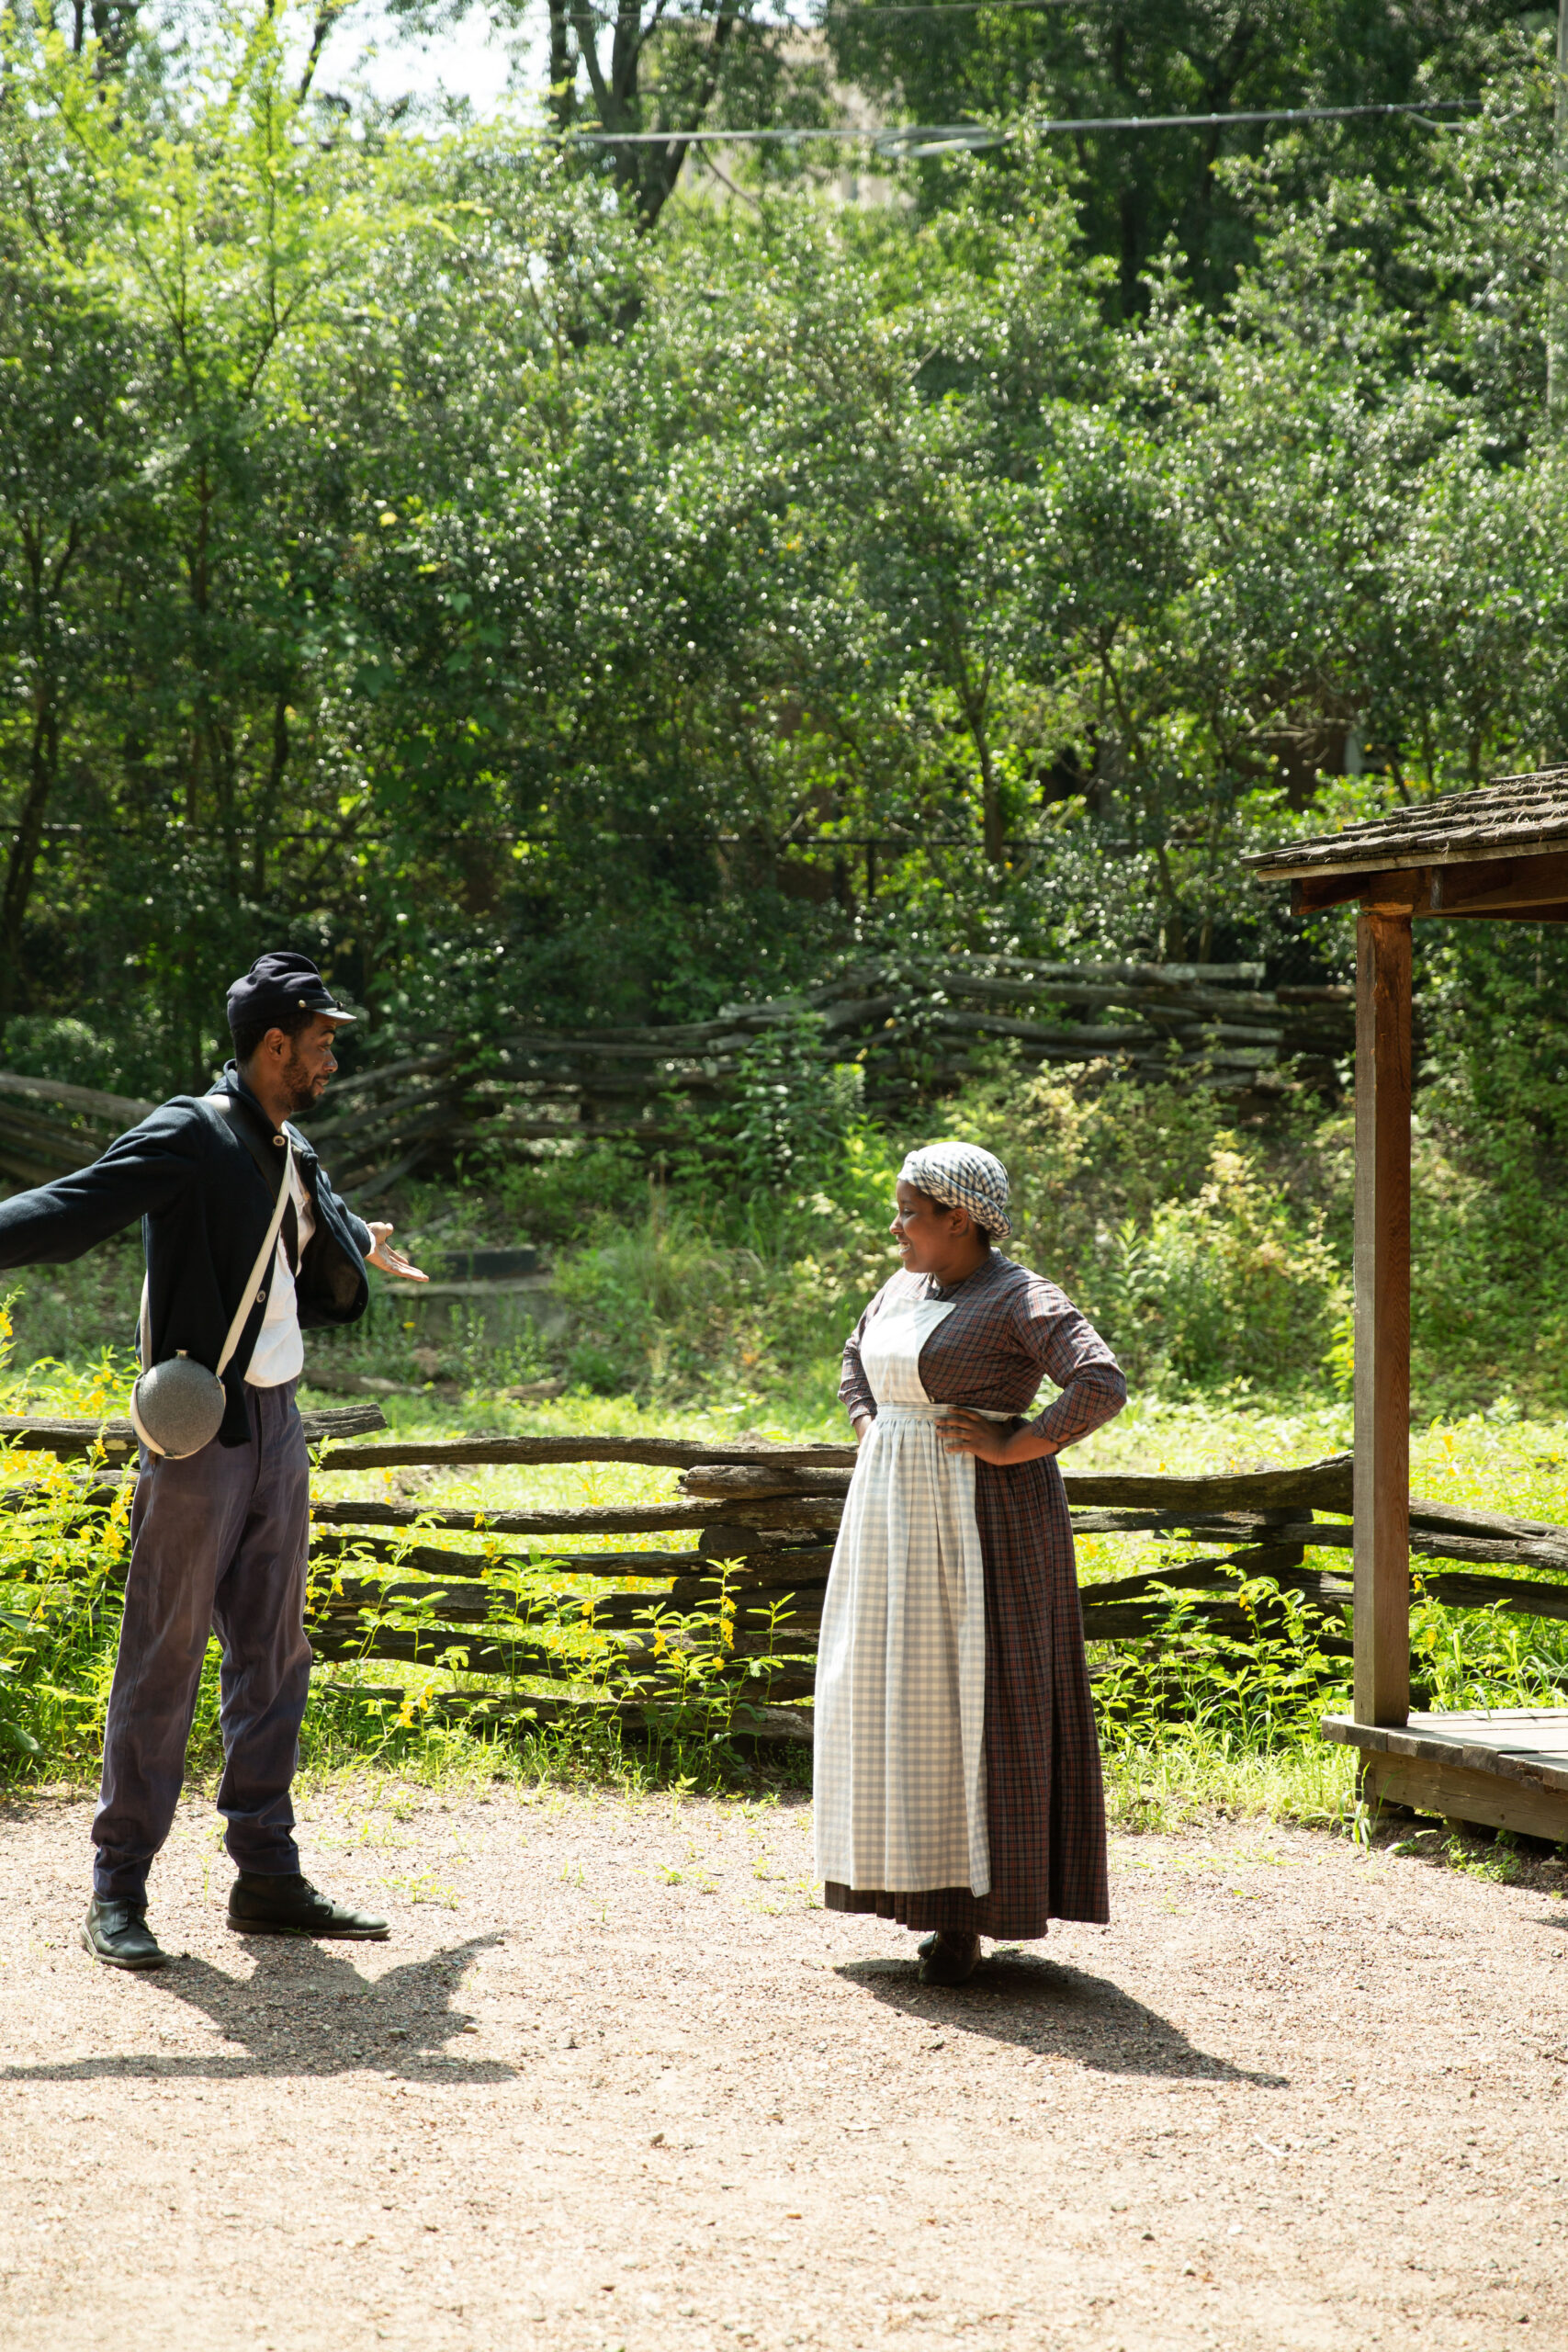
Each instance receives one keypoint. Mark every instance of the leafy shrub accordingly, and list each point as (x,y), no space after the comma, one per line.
(1250,1694)
(787,1119)
(1171,1229)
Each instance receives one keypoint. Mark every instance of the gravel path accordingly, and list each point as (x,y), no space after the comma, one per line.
(616,2081)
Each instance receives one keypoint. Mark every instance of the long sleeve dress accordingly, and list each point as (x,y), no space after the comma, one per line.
(957,1771)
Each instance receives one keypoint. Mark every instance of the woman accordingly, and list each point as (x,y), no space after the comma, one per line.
(958,1773)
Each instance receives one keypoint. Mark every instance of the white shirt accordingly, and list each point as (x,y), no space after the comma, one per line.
(279,1351)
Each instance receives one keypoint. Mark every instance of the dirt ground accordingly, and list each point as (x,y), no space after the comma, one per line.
(616,2081)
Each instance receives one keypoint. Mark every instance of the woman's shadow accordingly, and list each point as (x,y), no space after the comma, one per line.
(1046,2007)
(304,2010)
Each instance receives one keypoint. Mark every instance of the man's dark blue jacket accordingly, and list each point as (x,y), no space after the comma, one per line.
(205,1208)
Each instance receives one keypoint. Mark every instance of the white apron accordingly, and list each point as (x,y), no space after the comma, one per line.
(899,1799)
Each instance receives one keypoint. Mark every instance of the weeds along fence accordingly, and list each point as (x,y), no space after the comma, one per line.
(916,1030)
(730,1628)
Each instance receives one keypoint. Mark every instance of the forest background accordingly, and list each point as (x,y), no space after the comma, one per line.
(561,583)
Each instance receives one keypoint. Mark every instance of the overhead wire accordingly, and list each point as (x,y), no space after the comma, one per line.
(917,139)
(839,10)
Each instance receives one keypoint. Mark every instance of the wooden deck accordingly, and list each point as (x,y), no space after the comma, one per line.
(1507,1766)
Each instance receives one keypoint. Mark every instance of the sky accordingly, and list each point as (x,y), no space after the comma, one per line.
(468,59)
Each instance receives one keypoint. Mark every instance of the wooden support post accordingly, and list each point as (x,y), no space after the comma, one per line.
(1382,1315)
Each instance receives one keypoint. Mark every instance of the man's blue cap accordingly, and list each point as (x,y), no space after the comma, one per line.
(277,987)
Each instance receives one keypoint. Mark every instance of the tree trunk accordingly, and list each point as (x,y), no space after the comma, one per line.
(646,174)
(273,797)
(43,767)
(990,798)
(973,699)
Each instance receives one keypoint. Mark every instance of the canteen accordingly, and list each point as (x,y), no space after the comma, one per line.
(177,1408)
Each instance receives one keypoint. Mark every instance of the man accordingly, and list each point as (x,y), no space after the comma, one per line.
(218,1538)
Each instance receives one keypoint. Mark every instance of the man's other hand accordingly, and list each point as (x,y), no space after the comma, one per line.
(390,1261)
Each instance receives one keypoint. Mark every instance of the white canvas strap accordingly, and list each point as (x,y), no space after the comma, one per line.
(258,1274)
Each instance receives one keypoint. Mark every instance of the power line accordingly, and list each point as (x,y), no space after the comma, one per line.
(933,7)
(918,139)
(837,9)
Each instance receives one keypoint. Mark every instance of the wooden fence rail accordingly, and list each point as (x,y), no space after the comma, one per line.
(915,1028)
(382,1590)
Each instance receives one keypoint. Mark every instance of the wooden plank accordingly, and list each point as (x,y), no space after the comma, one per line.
(1520,1552)
(1313,1486)
(656,1453)
(1455,1519)
(25,1128)
(1529,912)
(1513,1744)
(72,1441)
(1491,885)
(611,1519)
(1317,892)
(783,1516)
(350,1601)
(1382,1315)
(682,1580)
(1512,1594)
(774,1569)
(426,1560)
(117,1111)
(1458,1794)
(1282,1563)
(736,1480)
(1156,1498)
(753,1723)
(425,1647)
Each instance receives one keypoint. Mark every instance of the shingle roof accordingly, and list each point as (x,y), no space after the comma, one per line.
(1511,817)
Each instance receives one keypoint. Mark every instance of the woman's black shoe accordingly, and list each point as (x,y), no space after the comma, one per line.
(118,1934)
(949,1958)
(263,1905)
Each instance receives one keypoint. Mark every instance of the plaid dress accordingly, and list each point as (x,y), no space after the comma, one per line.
(1045,1810)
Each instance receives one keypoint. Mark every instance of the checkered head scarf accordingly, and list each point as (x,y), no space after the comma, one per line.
(963,1177)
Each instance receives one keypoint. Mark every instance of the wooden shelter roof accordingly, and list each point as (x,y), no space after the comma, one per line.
(1514,816)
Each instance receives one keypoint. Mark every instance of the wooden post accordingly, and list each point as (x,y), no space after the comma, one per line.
(1382,1315)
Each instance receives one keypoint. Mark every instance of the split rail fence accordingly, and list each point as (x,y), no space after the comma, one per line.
(916,1031)
(385,1587)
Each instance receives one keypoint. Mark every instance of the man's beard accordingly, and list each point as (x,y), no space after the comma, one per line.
(304,1088)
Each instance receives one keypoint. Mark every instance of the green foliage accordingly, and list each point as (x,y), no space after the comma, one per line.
(1252,1693)
(1467,1661)
(1172,1231)
(789,1117)
(402,553)
(660,1305)
(1137,57)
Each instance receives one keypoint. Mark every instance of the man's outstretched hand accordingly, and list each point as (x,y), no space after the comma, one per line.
(390,1261)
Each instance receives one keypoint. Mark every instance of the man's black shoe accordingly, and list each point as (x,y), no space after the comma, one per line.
(263,1905)
(118,1934)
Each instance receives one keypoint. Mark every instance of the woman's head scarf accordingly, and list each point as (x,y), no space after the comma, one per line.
(962,1176)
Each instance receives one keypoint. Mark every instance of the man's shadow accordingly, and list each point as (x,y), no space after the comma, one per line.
(305,2010)
(1043,2006)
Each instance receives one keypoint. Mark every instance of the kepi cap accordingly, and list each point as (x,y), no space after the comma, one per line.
(278,986)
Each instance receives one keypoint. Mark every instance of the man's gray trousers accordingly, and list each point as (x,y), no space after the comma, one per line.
(219,1544)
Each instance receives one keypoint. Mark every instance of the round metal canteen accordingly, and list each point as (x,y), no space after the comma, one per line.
(176,1408)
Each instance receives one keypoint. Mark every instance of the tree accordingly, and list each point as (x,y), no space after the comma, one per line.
(1137,191)
(67,464)
(649,66)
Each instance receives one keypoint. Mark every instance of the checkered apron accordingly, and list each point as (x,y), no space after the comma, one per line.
(901,1758)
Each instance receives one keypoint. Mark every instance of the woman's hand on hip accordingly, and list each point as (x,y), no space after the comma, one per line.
(962,1432)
